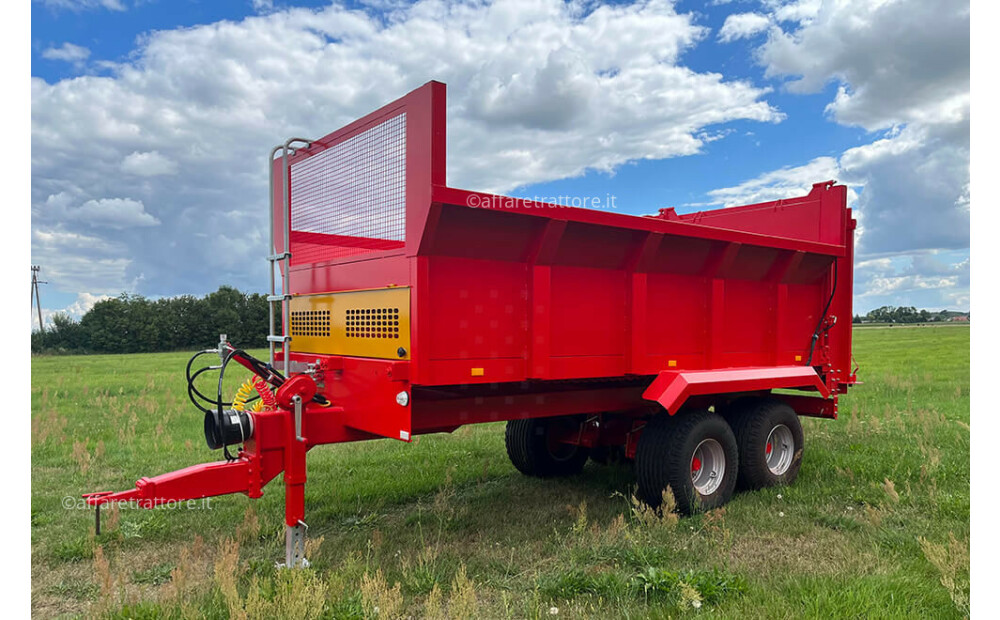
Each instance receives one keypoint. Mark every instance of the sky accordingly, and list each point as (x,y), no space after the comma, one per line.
(151,121)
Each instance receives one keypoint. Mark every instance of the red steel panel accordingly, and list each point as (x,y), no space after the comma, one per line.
(505,289)
(678,307)
(432,415)
(366,391)
(588,312)
(479,309)
(816,217)
(453,196)
(747,309)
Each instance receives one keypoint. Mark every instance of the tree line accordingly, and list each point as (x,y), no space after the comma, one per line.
(905,314)
(134,324)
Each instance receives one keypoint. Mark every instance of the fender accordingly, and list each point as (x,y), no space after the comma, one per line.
(672,388)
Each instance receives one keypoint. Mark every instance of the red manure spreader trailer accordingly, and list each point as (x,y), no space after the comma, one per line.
(402,306)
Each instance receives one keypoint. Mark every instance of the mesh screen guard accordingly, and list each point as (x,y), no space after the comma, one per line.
(350,199)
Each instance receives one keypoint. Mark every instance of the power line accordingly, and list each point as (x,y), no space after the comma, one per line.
(35,297)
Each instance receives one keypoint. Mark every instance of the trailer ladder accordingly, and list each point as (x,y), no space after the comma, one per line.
(283,259)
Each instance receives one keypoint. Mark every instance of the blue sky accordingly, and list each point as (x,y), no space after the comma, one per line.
(150,120)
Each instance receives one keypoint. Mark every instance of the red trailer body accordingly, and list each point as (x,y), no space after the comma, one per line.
(415,307)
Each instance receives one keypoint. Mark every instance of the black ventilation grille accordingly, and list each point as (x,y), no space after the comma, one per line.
(310,323)
(372,323)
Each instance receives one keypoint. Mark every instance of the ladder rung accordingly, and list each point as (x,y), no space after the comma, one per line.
(277,257)
(279,338)
(273,298)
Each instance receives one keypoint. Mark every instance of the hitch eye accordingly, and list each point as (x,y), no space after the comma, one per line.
(230,428)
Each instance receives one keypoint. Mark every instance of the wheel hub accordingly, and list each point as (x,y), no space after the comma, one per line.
(779,450)
(708,466)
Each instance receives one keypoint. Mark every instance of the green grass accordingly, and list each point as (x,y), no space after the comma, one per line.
(876,525)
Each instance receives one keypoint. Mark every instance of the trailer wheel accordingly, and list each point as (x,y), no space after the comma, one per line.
(694,453)
(769,436)
(533,451)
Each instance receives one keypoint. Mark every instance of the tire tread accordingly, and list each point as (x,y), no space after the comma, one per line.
(751,422)
(526,446)
(662,461)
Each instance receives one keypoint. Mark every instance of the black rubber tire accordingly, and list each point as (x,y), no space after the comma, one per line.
(529,450)
(752,421)
(665,452)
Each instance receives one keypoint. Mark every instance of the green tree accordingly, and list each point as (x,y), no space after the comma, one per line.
(132,324)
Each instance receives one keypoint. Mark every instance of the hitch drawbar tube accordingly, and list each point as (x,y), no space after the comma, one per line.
(273,442)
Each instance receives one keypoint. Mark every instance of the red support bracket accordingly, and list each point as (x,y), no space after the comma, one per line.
(812,407)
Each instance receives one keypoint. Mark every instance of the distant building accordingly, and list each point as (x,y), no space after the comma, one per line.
(959,319)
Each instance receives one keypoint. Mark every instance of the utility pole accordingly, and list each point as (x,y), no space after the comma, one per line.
(36,299)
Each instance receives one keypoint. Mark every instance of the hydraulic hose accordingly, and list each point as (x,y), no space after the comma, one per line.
(265,372)
(822,318)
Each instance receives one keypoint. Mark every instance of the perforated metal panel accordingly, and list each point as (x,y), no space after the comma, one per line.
(351,198)
(372,323)
(310,323)
(381,322)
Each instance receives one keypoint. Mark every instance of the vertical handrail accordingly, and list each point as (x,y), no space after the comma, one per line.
(271,252)
(285,256)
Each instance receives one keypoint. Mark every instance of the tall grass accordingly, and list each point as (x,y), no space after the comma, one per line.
(876,526)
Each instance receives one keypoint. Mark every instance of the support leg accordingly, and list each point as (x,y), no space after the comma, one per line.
(295,480)
(295,546)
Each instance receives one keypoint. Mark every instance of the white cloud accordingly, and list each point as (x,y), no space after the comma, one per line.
(881,286)
(897,62)
(909,191)
(915,195)
(902,69)
(68,52)
(930,280)
(742,26)
(803,11)
(114,213)
(42,239)
(537,91)
(149,164)
(87,262)
(787,182)
(83,303)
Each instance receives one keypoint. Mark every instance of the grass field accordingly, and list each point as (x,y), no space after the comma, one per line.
(876,526)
